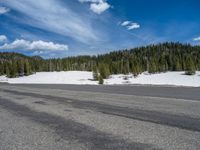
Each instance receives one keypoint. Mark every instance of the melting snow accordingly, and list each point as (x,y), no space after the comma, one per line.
(84,77)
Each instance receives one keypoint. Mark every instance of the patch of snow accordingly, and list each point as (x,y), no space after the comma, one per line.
(68,77)
(84,77)
(3,79)
(168,78)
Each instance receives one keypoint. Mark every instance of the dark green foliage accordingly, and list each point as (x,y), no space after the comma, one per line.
(136,67)
(104,70)
(190,72)
(154,58)
(7,70)
(95,74)
(153,67)
(13,69)
(190,67)
(27,68)
(20,68)
(101,81)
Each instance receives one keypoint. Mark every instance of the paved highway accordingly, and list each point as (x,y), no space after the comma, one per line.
(190,93)
(99,117)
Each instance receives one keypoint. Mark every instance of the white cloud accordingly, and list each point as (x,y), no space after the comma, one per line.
(133,26)
(130,25)
(97,6)
(20,44)
(197,39)
(125,23)
(4,10)
(92,1)
(55,16)
(3,38)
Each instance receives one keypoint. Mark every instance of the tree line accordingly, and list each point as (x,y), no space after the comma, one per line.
(153,58)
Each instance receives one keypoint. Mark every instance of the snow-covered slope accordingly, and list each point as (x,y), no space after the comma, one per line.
(83,77)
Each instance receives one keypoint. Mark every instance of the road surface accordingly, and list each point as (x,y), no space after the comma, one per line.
(190,93)
(73,117)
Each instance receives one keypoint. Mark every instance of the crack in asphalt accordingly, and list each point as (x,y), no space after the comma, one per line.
(74,131)
(173,120)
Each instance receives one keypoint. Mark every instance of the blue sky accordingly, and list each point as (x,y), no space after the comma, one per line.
(59,28)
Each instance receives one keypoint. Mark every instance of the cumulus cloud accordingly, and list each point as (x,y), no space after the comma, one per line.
(197,39)
(20,44)
(97,6)
(4,10)
(3,38)
(130,25)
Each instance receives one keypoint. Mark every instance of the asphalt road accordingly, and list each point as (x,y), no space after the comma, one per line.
(99,117)
(190,93)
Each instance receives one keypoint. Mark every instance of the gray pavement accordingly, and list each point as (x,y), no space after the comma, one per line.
(99,117)
(190,93)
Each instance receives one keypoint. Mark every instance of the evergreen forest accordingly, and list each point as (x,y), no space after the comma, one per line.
(153,58)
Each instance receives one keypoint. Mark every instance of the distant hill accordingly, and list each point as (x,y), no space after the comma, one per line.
(153,58)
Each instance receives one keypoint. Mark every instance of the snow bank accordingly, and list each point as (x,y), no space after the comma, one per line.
(3,79)
(168,78)
(69,77)
(83,77)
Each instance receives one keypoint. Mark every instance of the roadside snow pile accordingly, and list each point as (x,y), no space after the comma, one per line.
(83,77)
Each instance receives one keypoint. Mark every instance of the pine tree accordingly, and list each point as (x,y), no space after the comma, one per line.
(95,74)
(101,80)
(104,70)
(27,69)
(7,70)
(13,70)
(152,67)
(1,69)
(136,68)
(20,68)
(190,68)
